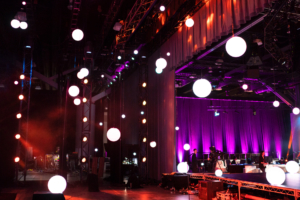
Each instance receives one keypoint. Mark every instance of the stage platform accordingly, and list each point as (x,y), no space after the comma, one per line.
(290,187)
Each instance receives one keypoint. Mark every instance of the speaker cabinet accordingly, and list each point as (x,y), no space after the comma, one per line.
(47,196)
(208,189)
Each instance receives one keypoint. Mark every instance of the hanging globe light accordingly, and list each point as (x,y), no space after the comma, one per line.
(292,167)
(186,147)
(77,35)
(236,46)
(77,101)
(276,103)
(80,75)
(57,184)
(245,86)
(113,134)
(275,176)
(153,144)
(189,22)
(202,88)
(23,25)
(73,91)
(15,23)
(161,63)
(183,167)
(84,71)
(296,111)
(158,70)
(218,172)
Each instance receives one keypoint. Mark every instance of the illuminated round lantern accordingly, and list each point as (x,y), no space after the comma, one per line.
(189,22)
(276,103)
(57,184)
(292,167)
(15,23)
(113,134)
(186,147)
(236,46)
(161,63)
(202,88)
(218,172)
(84,71)
(77,101)
(275,176)
(73,91)
(296,111)
(153,144)
(183,167)
(77,35)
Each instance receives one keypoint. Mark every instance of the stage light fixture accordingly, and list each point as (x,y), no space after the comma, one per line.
(22,76)
(144,121)
(292,167)
(73,91)
(83,160)
(136,52)
(119,57)
(144,84)
(236,46)
(101,123)
(245,86)
(85,81)
(96,149)
(102,75)
(134,153)
(218,172)
(84,71)
(276,103)
(177,128)
(161,63)
(123,116)
(275,176)
(77,35)
(19,115)
(15,23)
(168,54)
(144,159)
(21,97)
(17,136)
(158,70)
(144,102)
(84,119)
(57,184)
(217,114)
(77,101)
(153,144)
(144,139)
(162,8)
(132,58)
(17,159)
(24,3)
(142,112)
(23,25)
(296,111)
(113,134)
(84,139)
(84,99)
(80,75)
(183,167)
(189,22)
(202,88)
(186,147)
(16,82)
(202,164)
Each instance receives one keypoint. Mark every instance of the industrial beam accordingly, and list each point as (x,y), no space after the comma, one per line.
(45,79)
(101,95)
(64,73)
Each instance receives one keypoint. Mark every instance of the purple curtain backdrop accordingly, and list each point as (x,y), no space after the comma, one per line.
(237,130)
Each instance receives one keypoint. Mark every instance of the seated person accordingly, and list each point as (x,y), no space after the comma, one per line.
(281,161)
(234,161)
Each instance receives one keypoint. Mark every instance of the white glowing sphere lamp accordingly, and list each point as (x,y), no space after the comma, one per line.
(15,23)
(245,86)
(162,8)
(73,91)
(275,176)
(292,167)
(153,144)
(77,35)
(80,75)
(218,172)
(161,63)
(177,128)
(202,88)
(276,103)
(183,167)
(296,111)
(84,71)
(158,70)
(23,25)
(57,184)
(77,101)
(236,46)
(186,147)
(189,22)
(113,134)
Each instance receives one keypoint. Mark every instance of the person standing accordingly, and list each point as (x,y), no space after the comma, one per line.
(194,162)
(262,162)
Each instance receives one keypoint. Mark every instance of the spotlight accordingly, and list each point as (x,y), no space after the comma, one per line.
(144,102)
(57,184)
(84,100)
(276,103)
(296,111)
(102,75)
(101,123)
(144,84)
(77,101)
(168,54)
(84,119)
(17,159)
(162,8)
(22,76)
(189,22)
(83,160)
(186,147)
(202,88)
(21,97)
(84,71)
(144,139)
(84,139)
(73,91)
(144,159)
(123,116)
(85,81)
(16,82)
(96,149)
(142,112)
(135,52)
(17,136)
(77,35)
(15,23)
(153,144)
(177,128)
(218,172)
(24,3)
(236,46)
(161,63)
(23,25)
(80,75)
(113,134)
(245,86)
(19,115)
(119,57)
(158,70)
(144,121)
(217,114)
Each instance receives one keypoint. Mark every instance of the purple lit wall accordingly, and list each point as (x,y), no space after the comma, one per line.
(235,130)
